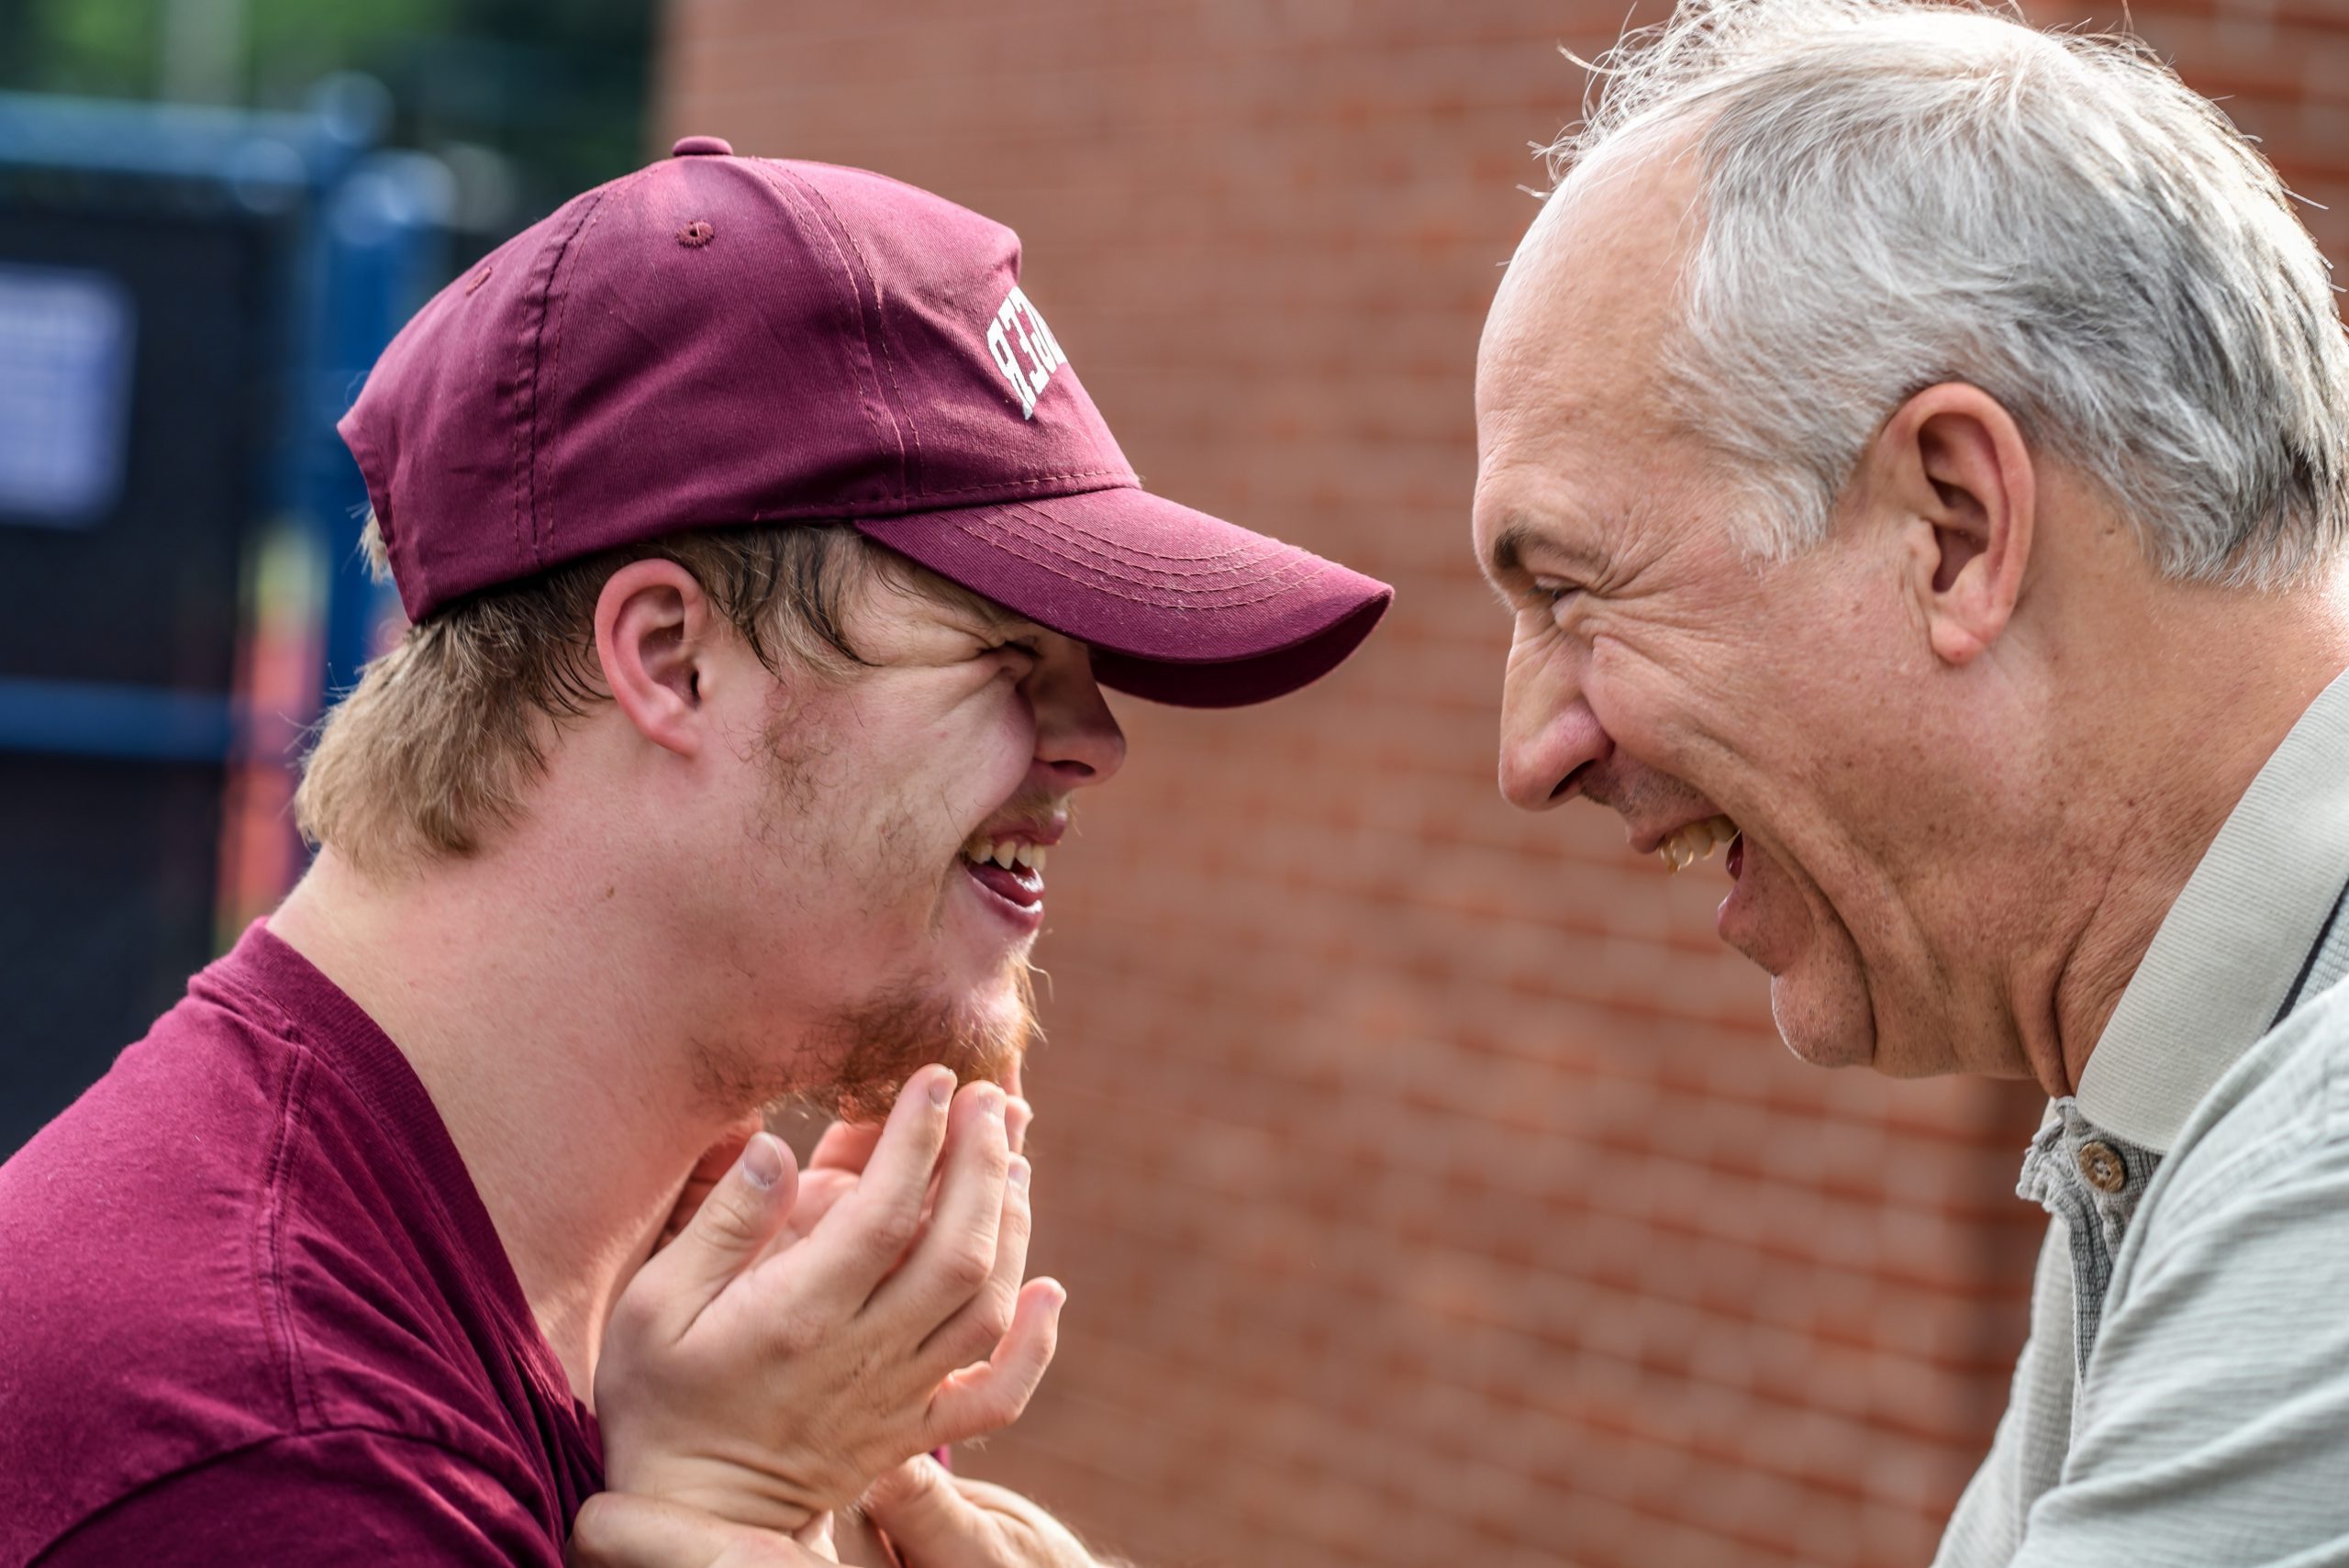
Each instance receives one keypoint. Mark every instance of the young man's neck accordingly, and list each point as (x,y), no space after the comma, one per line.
(559,1060)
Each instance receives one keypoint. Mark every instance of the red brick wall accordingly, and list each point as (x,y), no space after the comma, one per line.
(1431,1186)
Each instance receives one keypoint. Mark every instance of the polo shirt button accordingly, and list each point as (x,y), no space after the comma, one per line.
(2101,1164)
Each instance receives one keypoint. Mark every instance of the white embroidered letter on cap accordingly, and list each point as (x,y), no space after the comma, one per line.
(1039,354)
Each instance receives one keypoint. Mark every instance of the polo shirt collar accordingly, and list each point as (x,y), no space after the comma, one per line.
(2234,946)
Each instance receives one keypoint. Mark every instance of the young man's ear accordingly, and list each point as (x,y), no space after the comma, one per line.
(652,625)
(1953,465)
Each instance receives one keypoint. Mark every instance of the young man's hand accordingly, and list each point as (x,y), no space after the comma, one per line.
(770,1362)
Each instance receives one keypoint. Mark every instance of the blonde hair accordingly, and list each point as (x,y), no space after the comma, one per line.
(436,747)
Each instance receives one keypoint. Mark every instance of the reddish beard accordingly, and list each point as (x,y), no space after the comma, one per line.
(880,1043)
(869,1049)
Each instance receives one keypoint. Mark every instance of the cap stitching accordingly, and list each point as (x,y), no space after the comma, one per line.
(1164,598)
(1129,555)
(888,359)
(1108,560)
(1031,479)
(759,169)
(523,447)
(516,458)
(541,518)
(1280,585)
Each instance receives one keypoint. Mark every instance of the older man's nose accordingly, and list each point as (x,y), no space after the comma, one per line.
(1544,755)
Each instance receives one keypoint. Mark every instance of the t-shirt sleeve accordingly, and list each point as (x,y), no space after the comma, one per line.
(338,1497)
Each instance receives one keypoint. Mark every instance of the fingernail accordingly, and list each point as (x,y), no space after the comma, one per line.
(992,1102)
(941,1089)
(1020,1172)
(762,1160)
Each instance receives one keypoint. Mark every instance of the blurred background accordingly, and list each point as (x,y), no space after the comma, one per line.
(1430,1186)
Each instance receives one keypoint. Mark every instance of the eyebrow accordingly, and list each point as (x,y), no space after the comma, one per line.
(1520,534)
(976,608)
(994,615)
(997,620)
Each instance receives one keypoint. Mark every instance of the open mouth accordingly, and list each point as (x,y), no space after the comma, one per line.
(1012,871)
(1684,847)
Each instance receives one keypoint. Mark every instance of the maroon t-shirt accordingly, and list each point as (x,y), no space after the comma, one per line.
(252,1311)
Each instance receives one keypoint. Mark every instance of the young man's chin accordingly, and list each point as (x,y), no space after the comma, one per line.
(980,1034)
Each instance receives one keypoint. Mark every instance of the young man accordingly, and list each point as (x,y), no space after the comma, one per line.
(763,554)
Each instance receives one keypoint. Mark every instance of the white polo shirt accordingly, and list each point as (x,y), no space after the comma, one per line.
(2184,1397)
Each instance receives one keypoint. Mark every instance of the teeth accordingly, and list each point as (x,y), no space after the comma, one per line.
(1005,853)
(1684,847)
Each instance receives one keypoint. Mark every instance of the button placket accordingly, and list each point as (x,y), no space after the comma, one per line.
(2091,1181)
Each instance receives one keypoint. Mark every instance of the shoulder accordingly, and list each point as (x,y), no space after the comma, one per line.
(2216,1401)
(383,1496)
(128,1226)
(2277,1120)
(190,1268)
(2237,1262)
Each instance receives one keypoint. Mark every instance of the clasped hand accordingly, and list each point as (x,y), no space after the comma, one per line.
(802,1337)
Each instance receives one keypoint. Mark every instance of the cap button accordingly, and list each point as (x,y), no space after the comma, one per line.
(702,147)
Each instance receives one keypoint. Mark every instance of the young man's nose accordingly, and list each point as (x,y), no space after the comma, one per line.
(1077,738)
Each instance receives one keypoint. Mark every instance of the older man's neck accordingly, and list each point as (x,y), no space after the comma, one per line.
(542,1029)
(2222,680)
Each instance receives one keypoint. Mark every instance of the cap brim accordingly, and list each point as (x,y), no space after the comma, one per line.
(1179,606)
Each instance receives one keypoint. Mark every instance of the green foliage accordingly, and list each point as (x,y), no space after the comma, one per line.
(556,86)
(103,47)
(296,41)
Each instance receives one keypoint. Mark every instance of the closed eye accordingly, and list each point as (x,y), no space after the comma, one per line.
(1554,593)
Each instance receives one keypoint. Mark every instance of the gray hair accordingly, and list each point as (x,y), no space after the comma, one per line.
(1897,193)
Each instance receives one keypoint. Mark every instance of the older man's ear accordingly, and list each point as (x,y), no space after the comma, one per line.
(1952,470)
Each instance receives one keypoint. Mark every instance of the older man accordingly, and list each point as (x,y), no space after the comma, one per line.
(1916,452)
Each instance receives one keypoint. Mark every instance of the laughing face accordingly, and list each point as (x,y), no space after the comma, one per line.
(897,843)
(1792,713)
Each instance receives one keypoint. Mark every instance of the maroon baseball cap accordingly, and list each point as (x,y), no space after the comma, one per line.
(718,340)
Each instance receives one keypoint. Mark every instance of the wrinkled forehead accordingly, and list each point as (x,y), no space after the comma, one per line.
(1573,419)
(1595,285)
